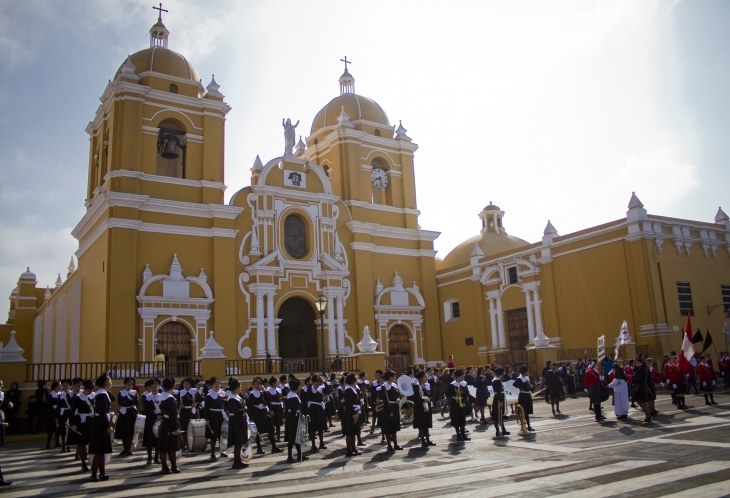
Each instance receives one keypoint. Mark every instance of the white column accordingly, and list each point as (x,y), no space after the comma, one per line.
(331,333)
(500,324)
(493,323)
(530,322)
(260,332)
(538,313)
(340,326)
(270,337)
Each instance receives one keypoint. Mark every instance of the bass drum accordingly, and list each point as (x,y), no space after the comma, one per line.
(196,435)
(138,429)
(156,428)
(224,436)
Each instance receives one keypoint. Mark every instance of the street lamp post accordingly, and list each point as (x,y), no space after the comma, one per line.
(321,304)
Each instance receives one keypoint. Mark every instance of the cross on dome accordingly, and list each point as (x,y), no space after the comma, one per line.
(347,82)
(159,33)
(161,10)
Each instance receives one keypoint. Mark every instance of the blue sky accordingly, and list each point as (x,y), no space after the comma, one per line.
(551,110)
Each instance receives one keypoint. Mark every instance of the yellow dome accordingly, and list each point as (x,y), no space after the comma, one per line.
(356,106)
(165,61)
(491,244)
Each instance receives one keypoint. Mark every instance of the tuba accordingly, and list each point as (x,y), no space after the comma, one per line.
(520,411)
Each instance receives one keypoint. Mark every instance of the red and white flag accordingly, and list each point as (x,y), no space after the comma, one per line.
(688,349)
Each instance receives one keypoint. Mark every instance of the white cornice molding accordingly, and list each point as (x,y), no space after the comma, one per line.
(154,228)
(292,193)
(380,207)
(118,173)
(105,200)
(377,230)
(397,251)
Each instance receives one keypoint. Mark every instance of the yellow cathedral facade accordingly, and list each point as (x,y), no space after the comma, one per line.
(163,263)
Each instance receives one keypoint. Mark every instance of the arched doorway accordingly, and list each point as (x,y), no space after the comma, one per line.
(297,330)
(399,349)
(173,340)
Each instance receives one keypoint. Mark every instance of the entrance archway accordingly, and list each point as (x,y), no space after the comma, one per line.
(173,340)
(297,330)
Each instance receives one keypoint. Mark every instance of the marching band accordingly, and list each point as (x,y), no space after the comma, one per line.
(200,415)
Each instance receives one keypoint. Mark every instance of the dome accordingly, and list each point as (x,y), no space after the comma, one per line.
(491,207)
(162,60)
(27,276)
(491,244)
(356,106)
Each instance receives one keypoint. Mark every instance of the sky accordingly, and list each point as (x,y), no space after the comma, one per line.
(551,110)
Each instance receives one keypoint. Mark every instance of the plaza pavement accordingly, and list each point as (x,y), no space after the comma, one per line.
(683,452)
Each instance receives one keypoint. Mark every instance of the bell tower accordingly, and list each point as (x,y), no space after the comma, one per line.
(155,189)
(369,162)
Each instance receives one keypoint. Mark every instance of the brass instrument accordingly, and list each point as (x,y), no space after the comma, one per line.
(521,414)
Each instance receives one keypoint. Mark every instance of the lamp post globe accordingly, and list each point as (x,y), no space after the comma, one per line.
(321,304)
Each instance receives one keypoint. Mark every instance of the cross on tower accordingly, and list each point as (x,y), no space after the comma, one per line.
(163,10)
(341,60)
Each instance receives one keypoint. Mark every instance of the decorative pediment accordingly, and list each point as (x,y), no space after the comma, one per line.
(175,286)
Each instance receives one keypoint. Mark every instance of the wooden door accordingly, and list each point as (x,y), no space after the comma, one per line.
(517,329)
(173,340)
(399,348)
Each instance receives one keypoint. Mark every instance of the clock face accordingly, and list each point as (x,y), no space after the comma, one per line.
(379,178)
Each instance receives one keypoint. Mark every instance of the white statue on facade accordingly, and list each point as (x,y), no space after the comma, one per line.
(289,136)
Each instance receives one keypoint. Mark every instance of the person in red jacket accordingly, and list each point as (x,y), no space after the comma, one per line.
(592,383)
(676,379)
(724,366)
(707,380)
(665,373)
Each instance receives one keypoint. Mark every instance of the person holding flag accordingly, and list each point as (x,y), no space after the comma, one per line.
(682,364)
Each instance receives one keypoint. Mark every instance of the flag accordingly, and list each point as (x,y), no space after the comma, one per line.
(725,330)
(708,342)
(623,338)
(623,335)
(688,350)
(697,337)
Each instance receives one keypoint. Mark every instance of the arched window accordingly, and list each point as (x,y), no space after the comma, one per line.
(378,192)
(377,133)
(295,236)
(170,143)
(173,88)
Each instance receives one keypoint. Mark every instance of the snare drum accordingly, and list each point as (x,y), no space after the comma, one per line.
(224,436)
(138,429)
(156,428)
(196,435)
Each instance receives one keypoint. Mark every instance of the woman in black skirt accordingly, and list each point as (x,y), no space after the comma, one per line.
(422,415)
(294,416)
(100,442)
(128,400)
(152,414)
(481,384)
(259,409)
(498,402)
(170,427)
(237,423)
(214,405)
(190,398)
(81,419)
(390,396)
(554,385)
(276,400)
(352,406)
(52,415)
(315,410)
(63,412)
(524,399)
